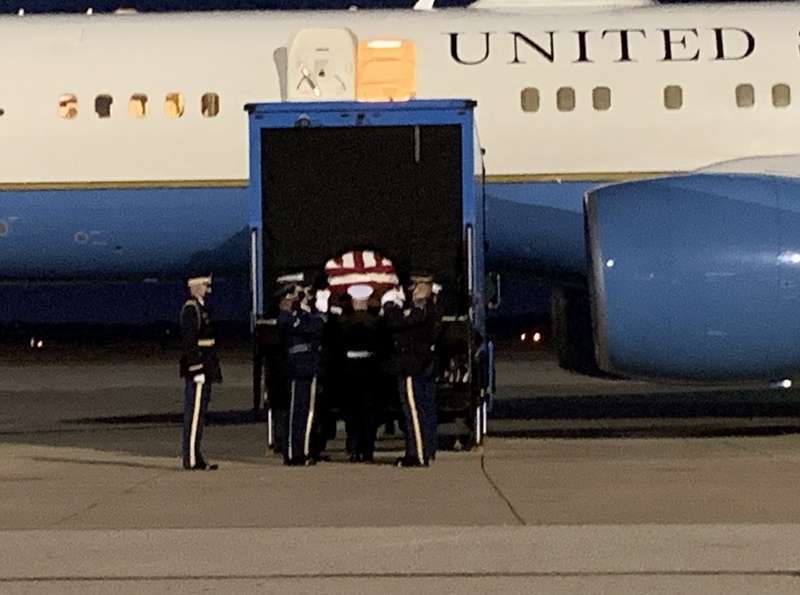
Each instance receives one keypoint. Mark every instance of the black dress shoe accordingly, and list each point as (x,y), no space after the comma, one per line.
(299,462)
(409,462)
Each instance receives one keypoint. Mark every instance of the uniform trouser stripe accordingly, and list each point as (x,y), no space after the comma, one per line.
(412,406)
(310,419)
(198,394)
(291,420)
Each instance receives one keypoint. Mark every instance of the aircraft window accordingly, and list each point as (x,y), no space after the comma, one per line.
(68,106)
(781,95)
(565,99)
(173,105)
(2,111)
(745,95)
(102,106)
(530,99)
(209,106)
(137,106)
(673,97)
(601,98)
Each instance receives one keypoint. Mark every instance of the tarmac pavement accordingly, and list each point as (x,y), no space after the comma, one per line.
(622,499)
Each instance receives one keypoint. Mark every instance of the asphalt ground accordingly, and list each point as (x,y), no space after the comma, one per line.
(583,486)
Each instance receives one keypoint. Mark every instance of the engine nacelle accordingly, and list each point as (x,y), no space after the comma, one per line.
(696,276)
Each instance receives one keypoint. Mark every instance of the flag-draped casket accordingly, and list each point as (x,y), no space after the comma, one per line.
(360,267)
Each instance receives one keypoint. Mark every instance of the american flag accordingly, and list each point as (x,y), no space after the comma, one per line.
(360,267)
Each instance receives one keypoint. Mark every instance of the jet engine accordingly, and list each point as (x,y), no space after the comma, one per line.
(696,277)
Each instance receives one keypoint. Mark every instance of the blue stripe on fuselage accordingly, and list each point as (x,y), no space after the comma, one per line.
(133,234)
(116,234)
(537,226)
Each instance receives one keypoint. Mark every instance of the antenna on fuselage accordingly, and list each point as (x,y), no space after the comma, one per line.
(424,5)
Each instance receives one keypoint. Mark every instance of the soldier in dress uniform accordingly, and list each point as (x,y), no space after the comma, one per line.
(200,368)
(414,331)
(277,366)
(301,334)
(360,343)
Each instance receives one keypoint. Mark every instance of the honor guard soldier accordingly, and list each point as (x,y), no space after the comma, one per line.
(200,368)
(301,333)
(277,381)
(360,342)
(413,336)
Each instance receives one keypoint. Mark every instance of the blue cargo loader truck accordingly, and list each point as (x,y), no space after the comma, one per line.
(405,178)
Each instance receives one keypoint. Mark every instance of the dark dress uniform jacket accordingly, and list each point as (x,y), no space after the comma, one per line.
(302,335)
(199,346)
(359,332)
(413,333)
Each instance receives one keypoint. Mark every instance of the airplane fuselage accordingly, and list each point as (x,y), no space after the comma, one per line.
(566,100)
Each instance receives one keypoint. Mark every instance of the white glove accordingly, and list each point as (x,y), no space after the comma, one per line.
(436,289)
(322,297)
(199,379)
(390,297)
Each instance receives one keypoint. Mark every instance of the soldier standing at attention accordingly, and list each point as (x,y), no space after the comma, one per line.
(301,333)
(414,331)
(200,368)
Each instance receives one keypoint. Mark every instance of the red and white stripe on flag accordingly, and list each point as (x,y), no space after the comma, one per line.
(360,267)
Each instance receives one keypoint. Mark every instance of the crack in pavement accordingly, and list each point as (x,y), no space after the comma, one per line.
(499,492)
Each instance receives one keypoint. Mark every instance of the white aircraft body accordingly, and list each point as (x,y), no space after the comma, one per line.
(479,53)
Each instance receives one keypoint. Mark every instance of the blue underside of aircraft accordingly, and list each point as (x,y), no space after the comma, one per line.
(125,252)
(691,277)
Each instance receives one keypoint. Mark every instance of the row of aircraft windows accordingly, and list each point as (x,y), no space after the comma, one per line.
(530,97)
(530,100)
(138,105)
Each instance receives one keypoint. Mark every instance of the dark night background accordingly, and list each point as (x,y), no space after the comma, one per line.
(36,6)
(39,6)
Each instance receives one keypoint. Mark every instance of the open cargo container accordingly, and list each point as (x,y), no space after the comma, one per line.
(403,178)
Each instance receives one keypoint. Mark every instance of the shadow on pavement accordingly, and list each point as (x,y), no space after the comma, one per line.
(655,405)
